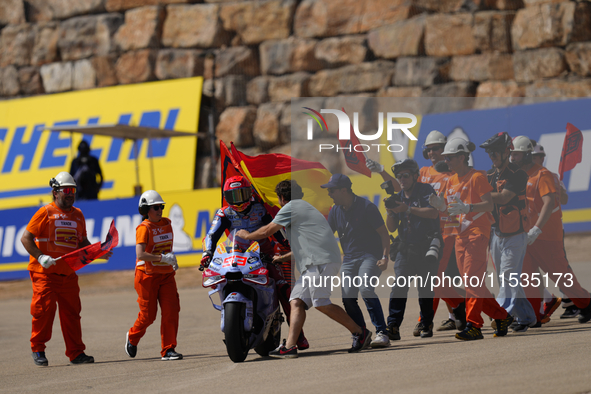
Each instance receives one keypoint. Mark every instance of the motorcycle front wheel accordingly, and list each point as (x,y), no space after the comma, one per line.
(272,341)
(236,337)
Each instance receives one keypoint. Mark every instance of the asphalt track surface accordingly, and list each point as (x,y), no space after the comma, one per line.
(553,359)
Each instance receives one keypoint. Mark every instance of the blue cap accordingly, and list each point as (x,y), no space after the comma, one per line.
(338,181)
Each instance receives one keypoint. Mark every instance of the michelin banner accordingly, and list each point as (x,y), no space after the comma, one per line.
(545,123)
(30,155)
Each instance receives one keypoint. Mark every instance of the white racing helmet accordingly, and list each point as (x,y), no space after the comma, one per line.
(63,179)
(458,145)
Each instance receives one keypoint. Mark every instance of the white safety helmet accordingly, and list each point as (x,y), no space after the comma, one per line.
(458,145)
(63,179)
(522,144)
(539,150)
(150,197)
(435,137)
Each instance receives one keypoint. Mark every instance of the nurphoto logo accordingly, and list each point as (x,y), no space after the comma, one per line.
(349,142)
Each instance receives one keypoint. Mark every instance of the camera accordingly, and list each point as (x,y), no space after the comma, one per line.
(391,201)
(432,254)
(395,247)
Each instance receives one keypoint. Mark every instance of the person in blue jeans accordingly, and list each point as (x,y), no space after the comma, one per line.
(508,241)
(366,247)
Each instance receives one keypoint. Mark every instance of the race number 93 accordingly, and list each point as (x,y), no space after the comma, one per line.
(240,260)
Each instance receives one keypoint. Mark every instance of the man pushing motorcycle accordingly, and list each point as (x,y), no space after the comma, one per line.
(244,212)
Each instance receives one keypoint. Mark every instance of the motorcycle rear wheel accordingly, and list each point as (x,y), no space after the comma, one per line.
(236,338)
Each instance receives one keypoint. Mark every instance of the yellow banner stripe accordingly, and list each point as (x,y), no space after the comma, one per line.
(13,267)
(576,215)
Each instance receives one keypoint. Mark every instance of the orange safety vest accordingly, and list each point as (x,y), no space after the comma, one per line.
(159,241)
(468,189)
(513,217)
(540,183)
(56,233)
(432,177)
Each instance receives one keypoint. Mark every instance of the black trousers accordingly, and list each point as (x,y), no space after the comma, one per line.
(412,269)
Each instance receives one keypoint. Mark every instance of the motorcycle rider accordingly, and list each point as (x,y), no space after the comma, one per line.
(244,212)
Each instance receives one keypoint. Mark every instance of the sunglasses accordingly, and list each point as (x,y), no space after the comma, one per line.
(405,175)
(433,149)
(68,190)
(449,157)
(157,207)
(493,152)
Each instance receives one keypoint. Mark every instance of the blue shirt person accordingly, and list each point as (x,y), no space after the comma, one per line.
(366,246)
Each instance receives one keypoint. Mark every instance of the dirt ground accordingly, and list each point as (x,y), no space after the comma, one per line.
(578,248)
(411,365)
(441,364)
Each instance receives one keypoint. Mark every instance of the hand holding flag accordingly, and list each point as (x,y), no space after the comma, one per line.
(354,159)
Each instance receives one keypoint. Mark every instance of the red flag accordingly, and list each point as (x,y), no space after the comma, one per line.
(355,160)
(572,150)
(81,257)
(229,167)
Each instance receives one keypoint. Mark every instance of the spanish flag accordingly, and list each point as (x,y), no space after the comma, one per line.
(266,171)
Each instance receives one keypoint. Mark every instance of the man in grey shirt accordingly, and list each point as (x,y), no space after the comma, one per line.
(317,258)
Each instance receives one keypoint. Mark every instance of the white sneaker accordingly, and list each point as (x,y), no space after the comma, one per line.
(381,340)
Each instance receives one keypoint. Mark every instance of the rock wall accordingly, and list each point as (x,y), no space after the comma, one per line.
(256,55)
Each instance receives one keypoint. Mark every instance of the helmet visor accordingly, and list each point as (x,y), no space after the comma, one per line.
(237,196)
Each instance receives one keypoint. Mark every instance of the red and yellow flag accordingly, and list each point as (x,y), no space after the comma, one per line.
(267,170)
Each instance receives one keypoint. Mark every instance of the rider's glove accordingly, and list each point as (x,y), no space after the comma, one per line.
(205,260)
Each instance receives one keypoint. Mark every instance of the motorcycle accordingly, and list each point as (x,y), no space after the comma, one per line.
(251,318)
